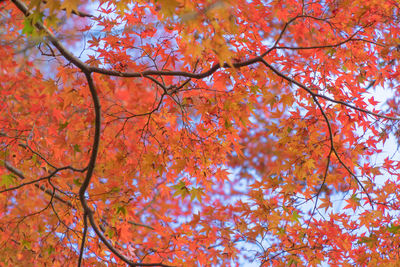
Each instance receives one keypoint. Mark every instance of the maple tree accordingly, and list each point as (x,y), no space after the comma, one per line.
(198,133)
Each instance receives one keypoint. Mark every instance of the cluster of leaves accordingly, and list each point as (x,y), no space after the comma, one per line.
(197,133)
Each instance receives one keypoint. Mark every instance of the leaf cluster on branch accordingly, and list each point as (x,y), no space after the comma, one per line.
(198,133)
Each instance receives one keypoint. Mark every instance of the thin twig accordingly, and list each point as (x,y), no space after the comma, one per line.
(314,96)
(43,188)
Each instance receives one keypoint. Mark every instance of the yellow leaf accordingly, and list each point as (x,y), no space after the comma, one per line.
(70,5)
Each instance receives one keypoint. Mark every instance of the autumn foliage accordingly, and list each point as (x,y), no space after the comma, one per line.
(198,133)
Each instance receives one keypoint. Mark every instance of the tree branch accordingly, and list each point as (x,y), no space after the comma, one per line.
(314,96)
(81,251)
(53,39)
(44,189)
(280,74)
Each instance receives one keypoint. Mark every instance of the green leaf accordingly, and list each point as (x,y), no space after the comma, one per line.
(115,189)
(62,126)
(50,250)
(331,52)
(255,89)
(394,229)
(37,17)
(227,124)
(196,193)
(7,179)
(77,148)
(29,22)
(355,198)
(77,182)
(281,231)
(243,121)
(26,244)
(121,210)
(370,241)
(110,233)
(295,216)
(34,158)
(28,28)
(181,189)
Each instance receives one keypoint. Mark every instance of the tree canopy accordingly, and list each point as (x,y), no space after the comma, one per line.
(198,133)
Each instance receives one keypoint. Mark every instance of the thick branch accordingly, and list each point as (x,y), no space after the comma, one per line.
(89,174)
(95,146)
